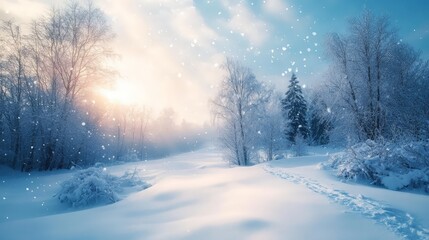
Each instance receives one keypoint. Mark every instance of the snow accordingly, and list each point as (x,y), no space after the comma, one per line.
(396,181)
(395,220)
(199,196)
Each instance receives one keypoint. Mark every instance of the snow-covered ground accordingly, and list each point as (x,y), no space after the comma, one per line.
(199,196)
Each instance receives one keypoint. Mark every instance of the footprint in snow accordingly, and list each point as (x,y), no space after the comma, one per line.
(397,221)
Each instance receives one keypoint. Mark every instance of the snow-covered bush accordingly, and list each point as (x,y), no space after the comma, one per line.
(88,187)
(394,166)
(94,186)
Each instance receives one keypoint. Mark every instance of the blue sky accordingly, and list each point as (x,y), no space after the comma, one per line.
(301,26)
(171,50)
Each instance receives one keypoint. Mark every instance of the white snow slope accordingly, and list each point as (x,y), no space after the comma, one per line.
(198,196)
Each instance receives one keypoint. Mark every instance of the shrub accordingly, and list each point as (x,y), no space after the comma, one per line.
(392,165)
(94,186)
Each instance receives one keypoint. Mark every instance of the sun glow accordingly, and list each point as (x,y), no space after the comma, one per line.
(121,93)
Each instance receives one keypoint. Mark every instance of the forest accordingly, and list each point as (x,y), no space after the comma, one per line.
(50,115)
(376,89)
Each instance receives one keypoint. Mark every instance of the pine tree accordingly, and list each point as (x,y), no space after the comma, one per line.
(319,129)
(319,119)
(294,109)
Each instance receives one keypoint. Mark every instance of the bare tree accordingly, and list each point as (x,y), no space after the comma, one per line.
(141,127)
(408,93)
(238,105)
(72,44)
(46,78)
(368,76)
(3,145)
(271,129)
(14,74)
(362,58)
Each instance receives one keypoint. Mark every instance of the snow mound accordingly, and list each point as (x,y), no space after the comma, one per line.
(394,166)
(94,186)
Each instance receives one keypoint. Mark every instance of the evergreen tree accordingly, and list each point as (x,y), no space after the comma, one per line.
(319,119)
(319,129)
(294,109)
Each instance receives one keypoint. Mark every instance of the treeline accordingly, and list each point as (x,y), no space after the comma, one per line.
(254,121)
(47,113)
(133,133)
(377,88)
(51,113)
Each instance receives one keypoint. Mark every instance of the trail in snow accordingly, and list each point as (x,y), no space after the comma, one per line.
(401,223)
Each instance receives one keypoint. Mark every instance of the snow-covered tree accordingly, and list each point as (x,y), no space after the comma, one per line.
(240,105)
(47,74)
(80,45)
(294,107)
(15,76)
(319,115)
(272,137)
(377,84)
(407,108)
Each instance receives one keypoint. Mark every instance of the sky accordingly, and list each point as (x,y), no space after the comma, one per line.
(171,52)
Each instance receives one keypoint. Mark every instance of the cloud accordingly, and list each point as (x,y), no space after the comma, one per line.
(279,9)
(245,22)
(22,10)
(189,25)
(166,49)
(167,53)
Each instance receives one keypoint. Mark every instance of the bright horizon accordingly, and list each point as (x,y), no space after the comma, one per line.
(170,52)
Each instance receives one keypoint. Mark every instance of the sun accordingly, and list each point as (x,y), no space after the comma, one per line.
(121,93)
